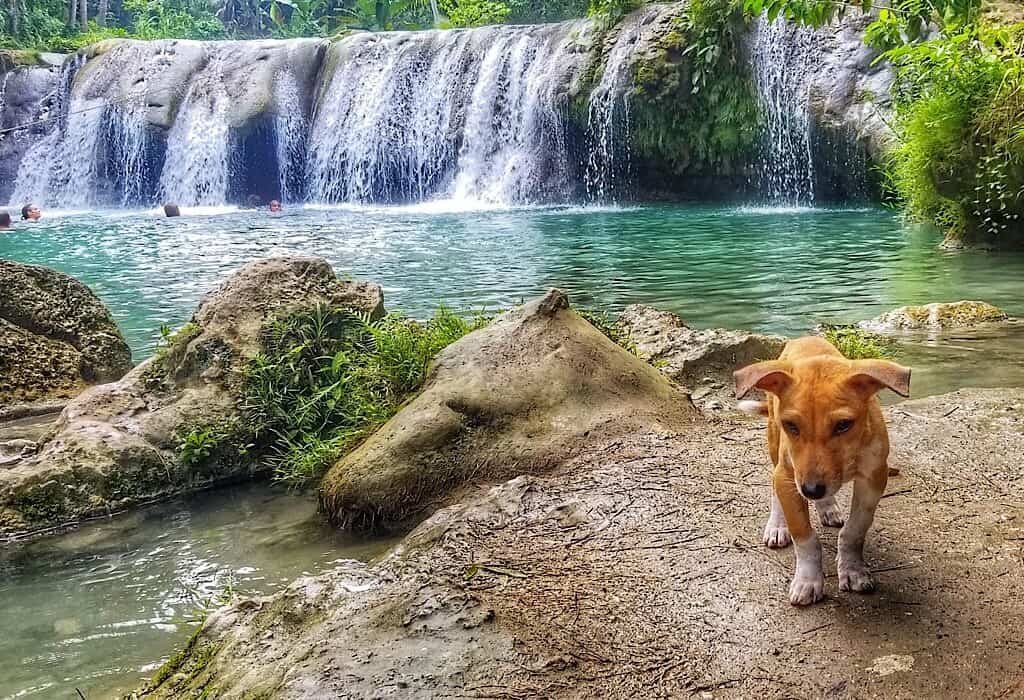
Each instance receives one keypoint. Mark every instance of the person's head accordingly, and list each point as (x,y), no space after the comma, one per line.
(253,201)
(30,212)
(275,205)
(5,220)
(171,210)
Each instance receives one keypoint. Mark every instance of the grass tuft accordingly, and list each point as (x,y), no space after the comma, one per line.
(856,343)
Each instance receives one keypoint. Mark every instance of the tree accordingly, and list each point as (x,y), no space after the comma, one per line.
(83,15)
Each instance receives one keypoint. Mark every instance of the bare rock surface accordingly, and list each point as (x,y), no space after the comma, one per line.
(700,359)
(113,445)
(522,395)
(636,570)
(56,336)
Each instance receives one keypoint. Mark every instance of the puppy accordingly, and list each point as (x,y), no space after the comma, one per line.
(825,428)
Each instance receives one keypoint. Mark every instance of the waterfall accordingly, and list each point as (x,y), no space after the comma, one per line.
(95,145)
(784,58)
(469,114)
(608,111)
(290,127)
(129,143)
(196,166)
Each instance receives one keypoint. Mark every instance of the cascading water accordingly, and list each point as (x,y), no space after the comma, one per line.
(95,146)
(59,169)
(197,162)
(466,114)
(290,129)
(608,112)
(783,62)
(128,138)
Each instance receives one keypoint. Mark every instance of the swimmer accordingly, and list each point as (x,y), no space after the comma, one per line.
(5,221)
(275,206)
(171,210)
(30,212)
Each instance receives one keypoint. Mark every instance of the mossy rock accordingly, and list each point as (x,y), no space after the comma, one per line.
(938,316)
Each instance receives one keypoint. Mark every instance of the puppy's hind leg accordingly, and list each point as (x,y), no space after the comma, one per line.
(776,534)
(828,512)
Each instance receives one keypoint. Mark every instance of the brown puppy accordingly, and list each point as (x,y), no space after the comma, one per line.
(825,428)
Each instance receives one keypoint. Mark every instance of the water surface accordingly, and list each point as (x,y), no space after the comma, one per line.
(777,270)
(100,608)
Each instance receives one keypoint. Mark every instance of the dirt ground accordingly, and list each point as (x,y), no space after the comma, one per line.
(637,571)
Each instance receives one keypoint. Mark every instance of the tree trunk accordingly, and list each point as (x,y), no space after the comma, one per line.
(102,9)
(83,15)
(72,12)
(14,12)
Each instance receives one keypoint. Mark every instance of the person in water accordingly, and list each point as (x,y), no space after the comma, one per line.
(253,201)
(275,206)
(171,210)
(5,221)
(30,212)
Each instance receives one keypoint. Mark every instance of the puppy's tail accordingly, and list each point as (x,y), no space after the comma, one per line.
(754,408)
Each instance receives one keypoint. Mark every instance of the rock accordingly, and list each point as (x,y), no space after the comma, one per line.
(938,316)
(247,72)
(701,359)
(666,590)
(113,445)
(519,396)
(56,336)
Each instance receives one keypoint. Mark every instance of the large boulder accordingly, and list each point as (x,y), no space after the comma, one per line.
(520,396)
(703,359)
(114,445)
(636,571)
(56,336)
(938,316)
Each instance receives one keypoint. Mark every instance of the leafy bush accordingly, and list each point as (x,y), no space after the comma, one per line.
(327,377)
(475,13)
(960,118)
(856,343)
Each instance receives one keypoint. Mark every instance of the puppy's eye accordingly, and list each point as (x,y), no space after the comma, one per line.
(791,428)
(842,427)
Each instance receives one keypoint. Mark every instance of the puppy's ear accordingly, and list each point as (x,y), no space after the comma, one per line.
(771,376)
(871,376)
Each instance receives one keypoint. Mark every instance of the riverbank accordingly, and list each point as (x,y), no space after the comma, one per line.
(637,570)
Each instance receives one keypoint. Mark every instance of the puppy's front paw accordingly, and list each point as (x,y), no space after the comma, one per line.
(830,514)
(776,536)
(806,590)
(855,576)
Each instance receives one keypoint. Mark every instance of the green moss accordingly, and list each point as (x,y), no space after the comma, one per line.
(189,663)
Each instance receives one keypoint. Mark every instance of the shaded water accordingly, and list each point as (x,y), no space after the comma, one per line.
(102,607)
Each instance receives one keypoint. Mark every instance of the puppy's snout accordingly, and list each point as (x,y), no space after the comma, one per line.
(813,490)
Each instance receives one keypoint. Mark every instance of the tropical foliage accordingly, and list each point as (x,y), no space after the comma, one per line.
(959,99)
(64,25)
